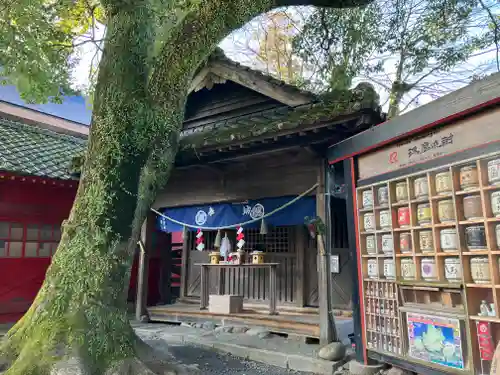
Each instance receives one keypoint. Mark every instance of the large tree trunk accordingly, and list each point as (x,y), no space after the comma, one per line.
(78,320)
(80,312)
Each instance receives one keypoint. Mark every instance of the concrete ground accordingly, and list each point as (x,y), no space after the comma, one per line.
(286,353)
(215,351)
(214,363)
(209,361)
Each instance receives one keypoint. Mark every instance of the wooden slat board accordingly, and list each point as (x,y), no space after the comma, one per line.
(280,174)
(341,283)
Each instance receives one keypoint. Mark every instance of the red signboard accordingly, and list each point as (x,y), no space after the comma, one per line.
(486,347)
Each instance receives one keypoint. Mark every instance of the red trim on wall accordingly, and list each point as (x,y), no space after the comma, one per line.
(442,121)
(4,175)
(360,271)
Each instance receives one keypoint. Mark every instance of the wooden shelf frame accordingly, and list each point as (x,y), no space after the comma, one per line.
(471,293)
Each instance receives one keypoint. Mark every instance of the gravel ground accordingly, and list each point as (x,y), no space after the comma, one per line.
(212,363)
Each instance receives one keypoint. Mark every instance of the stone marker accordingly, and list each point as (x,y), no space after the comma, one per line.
(225,304)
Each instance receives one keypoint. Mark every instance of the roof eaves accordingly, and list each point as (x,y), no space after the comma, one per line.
(335,105)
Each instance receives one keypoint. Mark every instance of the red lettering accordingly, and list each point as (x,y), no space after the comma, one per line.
(393,157)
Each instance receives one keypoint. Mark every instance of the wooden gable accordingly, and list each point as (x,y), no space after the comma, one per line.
(225,101)
(224,90)
(219,69)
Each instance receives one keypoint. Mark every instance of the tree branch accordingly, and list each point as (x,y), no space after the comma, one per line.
(324,3)
(495,24)
(411,101)
(198,33)
(424,76)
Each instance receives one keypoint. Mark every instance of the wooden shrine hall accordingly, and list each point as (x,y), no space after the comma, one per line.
(249,145)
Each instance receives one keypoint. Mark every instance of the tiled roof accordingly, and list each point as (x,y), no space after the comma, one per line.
(271,122)
(30,150)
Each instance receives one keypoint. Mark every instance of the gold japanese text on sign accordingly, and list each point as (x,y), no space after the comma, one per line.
(460,136)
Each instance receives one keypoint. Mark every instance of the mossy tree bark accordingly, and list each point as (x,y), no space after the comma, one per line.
(79,320)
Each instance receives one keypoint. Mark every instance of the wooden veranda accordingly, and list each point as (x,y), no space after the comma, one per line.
(301,322)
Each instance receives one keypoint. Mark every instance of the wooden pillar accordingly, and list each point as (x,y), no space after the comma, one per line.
(272,290)
(204,287)
(300,244)
(165,279)
(143,266)
(357,300)
(326,323)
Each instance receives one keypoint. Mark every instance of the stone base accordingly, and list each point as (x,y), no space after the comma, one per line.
(225,304)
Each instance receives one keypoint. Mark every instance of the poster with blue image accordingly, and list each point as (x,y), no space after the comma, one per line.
(435,339)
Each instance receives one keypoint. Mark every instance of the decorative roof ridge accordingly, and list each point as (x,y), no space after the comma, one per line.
(218,55)
(39,130)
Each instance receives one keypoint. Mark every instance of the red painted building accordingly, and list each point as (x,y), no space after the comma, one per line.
(36,195)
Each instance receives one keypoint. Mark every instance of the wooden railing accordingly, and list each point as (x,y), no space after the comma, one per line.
(222,282)
(252,283)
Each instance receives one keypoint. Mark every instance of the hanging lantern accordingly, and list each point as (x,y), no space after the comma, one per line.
(217,241)
(263,227)
(240,237)
(200,246)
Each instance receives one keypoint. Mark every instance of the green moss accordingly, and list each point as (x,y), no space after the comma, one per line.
(76,165)
(331,106)
(137,116)
(74,314)
(81,309)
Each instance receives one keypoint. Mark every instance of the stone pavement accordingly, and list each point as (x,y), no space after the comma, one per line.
(239,350)
(254,344)
(210,362)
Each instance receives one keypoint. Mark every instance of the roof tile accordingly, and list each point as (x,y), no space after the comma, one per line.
(28,149)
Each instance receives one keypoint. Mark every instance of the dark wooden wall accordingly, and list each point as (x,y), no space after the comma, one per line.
(281,247)
(341,282)
(277,174)
(222,102)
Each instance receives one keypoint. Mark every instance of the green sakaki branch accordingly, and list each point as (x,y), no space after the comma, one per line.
(239,224)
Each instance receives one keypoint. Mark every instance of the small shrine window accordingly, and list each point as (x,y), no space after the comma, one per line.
(277,240)
(28,240)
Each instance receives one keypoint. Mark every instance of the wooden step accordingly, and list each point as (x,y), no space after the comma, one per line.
(283,323)
(261,306)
